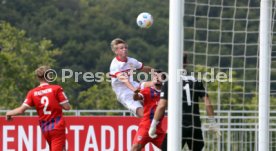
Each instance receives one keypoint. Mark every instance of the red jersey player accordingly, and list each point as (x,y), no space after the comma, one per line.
(150,97)
(49,100)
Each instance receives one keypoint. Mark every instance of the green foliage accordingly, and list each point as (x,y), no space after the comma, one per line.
(83,30)
(19,57)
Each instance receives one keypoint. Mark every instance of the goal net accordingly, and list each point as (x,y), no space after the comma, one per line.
(221,38)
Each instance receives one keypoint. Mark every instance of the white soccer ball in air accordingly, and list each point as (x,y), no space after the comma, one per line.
(144,20)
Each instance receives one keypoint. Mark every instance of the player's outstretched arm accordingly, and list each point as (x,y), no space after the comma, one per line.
(209,107)
(147,84)
(16,111)
(146,69)
(213,126)
(160,110)
(159,113)
(124,78)
(66,106)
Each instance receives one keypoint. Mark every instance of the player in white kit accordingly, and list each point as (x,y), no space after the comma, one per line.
(122,82)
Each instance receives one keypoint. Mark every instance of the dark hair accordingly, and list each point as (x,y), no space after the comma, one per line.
(160,71)
(185,59)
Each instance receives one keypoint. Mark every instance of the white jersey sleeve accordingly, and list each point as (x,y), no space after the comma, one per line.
(136,64)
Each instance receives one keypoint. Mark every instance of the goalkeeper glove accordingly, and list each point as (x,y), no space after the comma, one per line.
(152,130)
(213,126)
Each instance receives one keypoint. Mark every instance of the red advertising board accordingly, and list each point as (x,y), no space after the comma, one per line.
(84,133)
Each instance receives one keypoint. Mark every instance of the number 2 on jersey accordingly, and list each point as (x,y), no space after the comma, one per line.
(188,96)
(45,102)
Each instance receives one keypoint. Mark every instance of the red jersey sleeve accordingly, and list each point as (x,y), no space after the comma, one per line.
(62,98)
(28,100)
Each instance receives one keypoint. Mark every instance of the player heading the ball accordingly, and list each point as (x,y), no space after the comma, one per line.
(122,81)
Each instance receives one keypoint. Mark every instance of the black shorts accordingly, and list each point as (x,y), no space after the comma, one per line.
(193,137)
(164,144)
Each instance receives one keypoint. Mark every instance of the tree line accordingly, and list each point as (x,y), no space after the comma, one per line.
(76,35)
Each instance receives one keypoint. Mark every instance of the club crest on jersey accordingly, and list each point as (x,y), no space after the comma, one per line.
(139,138)
(131,66)
(162,94)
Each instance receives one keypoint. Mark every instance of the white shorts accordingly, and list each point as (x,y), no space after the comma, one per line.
(125,97)
(129,103)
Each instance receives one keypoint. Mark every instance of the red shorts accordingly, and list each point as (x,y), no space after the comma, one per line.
(55,139)
(142,137)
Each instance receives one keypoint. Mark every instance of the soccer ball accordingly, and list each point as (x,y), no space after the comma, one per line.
(144,20)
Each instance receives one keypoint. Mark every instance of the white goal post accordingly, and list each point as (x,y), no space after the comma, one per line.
(264,72)
(175,63)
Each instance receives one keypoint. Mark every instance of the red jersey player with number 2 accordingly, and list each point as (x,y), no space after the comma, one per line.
(49,100)
(150,97)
